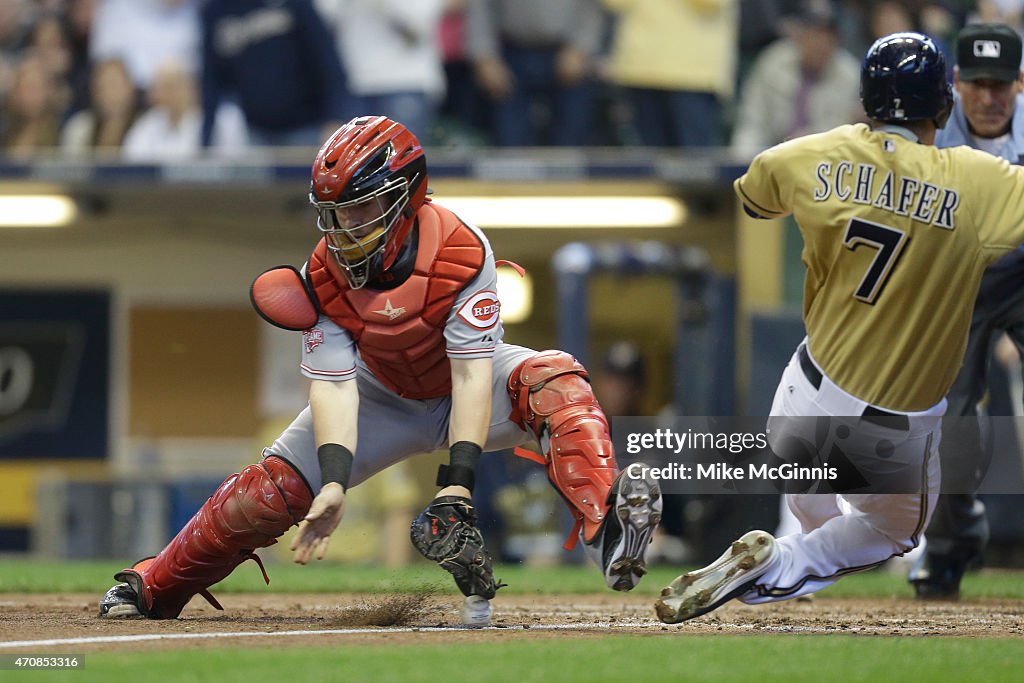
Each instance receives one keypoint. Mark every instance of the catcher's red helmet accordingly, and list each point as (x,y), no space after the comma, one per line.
(369,180)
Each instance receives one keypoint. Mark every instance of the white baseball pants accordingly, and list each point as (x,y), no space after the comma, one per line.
(843,534)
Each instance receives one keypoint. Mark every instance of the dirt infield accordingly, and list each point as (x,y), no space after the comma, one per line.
(363,619)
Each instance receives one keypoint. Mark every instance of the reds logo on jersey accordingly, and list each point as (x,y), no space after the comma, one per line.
(312,338)
(481,310)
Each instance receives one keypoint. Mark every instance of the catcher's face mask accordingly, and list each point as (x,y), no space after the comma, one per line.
(358,229)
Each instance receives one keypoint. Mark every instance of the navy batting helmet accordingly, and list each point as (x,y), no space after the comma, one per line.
(903,78)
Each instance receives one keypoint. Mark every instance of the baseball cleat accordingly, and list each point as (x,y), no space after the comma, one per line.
(937,577)
(728,577)
(120,601)
(633,515)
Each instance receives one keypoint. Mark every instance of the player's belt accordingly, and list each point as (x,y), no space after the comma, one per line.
(870,413)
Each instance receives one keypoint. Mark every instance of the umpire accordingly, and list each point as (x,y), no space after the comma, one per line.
(988,115)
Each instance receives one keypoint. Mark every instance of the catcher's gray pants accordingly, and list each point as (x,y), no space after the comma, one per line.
(959,526)
(392,428)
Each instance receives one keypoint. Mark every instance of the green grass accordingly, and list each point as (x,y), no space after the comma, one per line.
(620,658)
(36,576)
(519,657)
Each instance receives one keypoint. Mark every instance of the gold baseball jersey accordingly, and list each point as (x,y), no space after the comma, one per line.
(896,237)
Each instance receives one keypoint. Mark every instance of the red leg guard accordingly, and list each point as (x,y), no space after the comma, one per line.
(552,396)
(249,510)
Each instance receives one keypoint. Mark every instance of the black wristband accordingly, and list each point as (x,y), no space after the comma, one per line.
(463,457)
(335,464)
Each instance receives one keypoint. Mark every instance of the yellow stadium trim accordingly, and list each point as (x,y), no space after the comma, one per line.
(21,478)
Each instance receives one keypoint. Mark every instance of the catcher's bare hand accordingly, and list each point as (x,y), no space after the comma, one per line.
(316,528)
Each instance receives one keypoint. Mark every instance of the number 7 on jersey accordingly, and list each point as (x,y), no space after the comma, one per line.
(889,242)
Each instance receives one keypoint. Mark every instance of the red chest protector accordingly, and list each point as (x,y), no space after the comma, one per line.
(400,331)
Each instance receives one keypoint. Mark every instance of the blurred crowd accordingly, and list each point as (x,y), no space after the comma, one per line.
(159,80)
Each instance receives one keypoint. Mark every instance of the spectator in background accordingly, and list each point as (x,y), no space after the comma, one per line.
(852,19)
(941,23)
(49,6)
(677,61)
(49,43)
(391,53)
(759,28)
(171,129)
(886,17)
(146,34)
(114,108)
(279,63)
(1009,12)
(861,23)
(802,84)
(16,19)
(15,29)
(528,52)
(464,112)
(78,17)
(30,118)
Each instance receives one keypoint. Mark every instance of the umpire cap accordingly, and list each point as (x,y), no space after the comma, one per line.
(988,51)
(903,78)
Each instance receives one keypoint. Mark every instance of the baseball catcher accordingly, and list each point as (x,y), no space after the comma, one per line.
(402,344)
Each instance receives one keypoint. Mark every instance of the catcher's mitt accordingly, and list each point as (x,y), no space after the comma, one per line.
(446,533)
